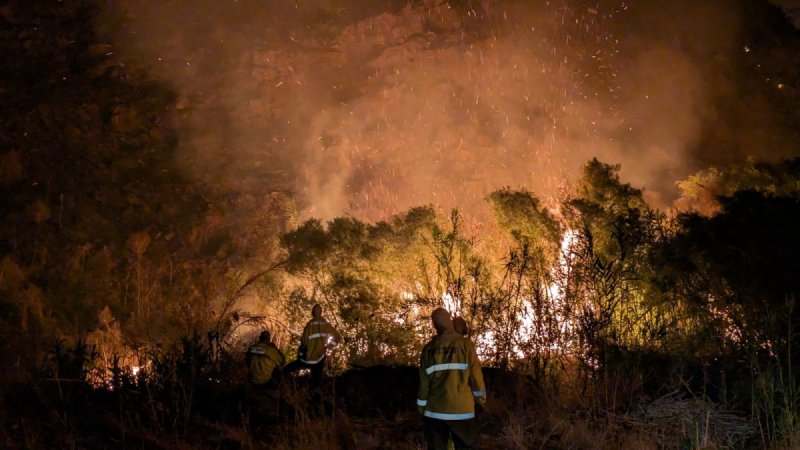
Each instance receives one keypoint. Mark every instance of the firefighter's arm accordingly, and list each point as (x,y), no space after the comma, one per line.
(305,335)
(424,386)
(476,376)
(337,338)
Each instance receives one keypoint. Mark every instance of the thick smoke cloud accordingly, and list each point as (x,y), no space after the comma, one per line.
(369,110)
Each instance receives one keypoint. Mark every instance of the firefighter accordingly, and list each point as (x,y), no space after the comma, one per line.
(263,358)
(450,383)
(264,362)
(318,337)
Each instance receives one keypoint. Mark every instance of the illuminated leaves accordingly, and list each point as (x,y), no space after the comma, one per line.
(521,214)
(701,191)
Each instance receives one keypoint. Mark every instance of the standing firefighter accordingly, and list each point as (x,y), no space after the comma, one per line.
(450,382)
(318,336)
(263,358)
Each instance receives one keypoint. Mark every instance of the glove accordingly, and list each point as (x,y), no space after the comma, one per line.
(421,409)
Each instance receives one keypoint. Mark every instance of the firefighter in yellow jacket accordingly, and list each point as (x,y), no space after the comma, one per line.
(318,336)
(450,383)
(263,358)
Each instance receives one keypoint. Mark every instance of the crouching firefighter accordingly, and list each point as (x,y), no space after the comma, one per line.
(318,337)
(450,383)
(264,362)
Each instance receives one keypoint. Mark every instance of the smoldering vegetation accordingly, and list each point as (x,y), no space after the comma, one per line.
(177,176)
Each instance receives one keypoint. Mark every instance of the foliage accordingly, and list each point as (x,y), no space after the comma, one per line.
(701,191)
(96,212)
(614,231)
(352,269)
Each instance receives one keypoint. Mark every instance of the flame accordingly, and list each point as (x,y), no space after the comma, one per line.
(450,303)
(556,296)
(556,293)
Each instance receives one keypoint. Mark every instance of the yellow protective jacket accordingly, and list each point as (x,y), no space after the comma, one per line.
(318,336)
(450,378)
(263,357)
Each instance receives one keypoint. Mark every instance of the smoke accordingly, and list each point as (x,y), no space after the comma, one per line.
(369,110)
(791,8)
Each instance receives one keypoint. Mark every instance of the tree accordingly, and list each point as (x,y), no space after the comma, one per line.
(614,231)
(701,191)
(531,311)
(360,273)
(737,271)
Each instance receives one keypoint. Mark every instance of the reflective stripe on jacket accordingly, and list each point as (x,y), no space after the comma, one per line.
(317,336)
(450,378)
(264,358)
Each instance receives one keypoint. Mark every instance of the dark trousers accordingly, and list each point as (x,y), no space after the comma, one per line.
(316,369)
(464,433)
